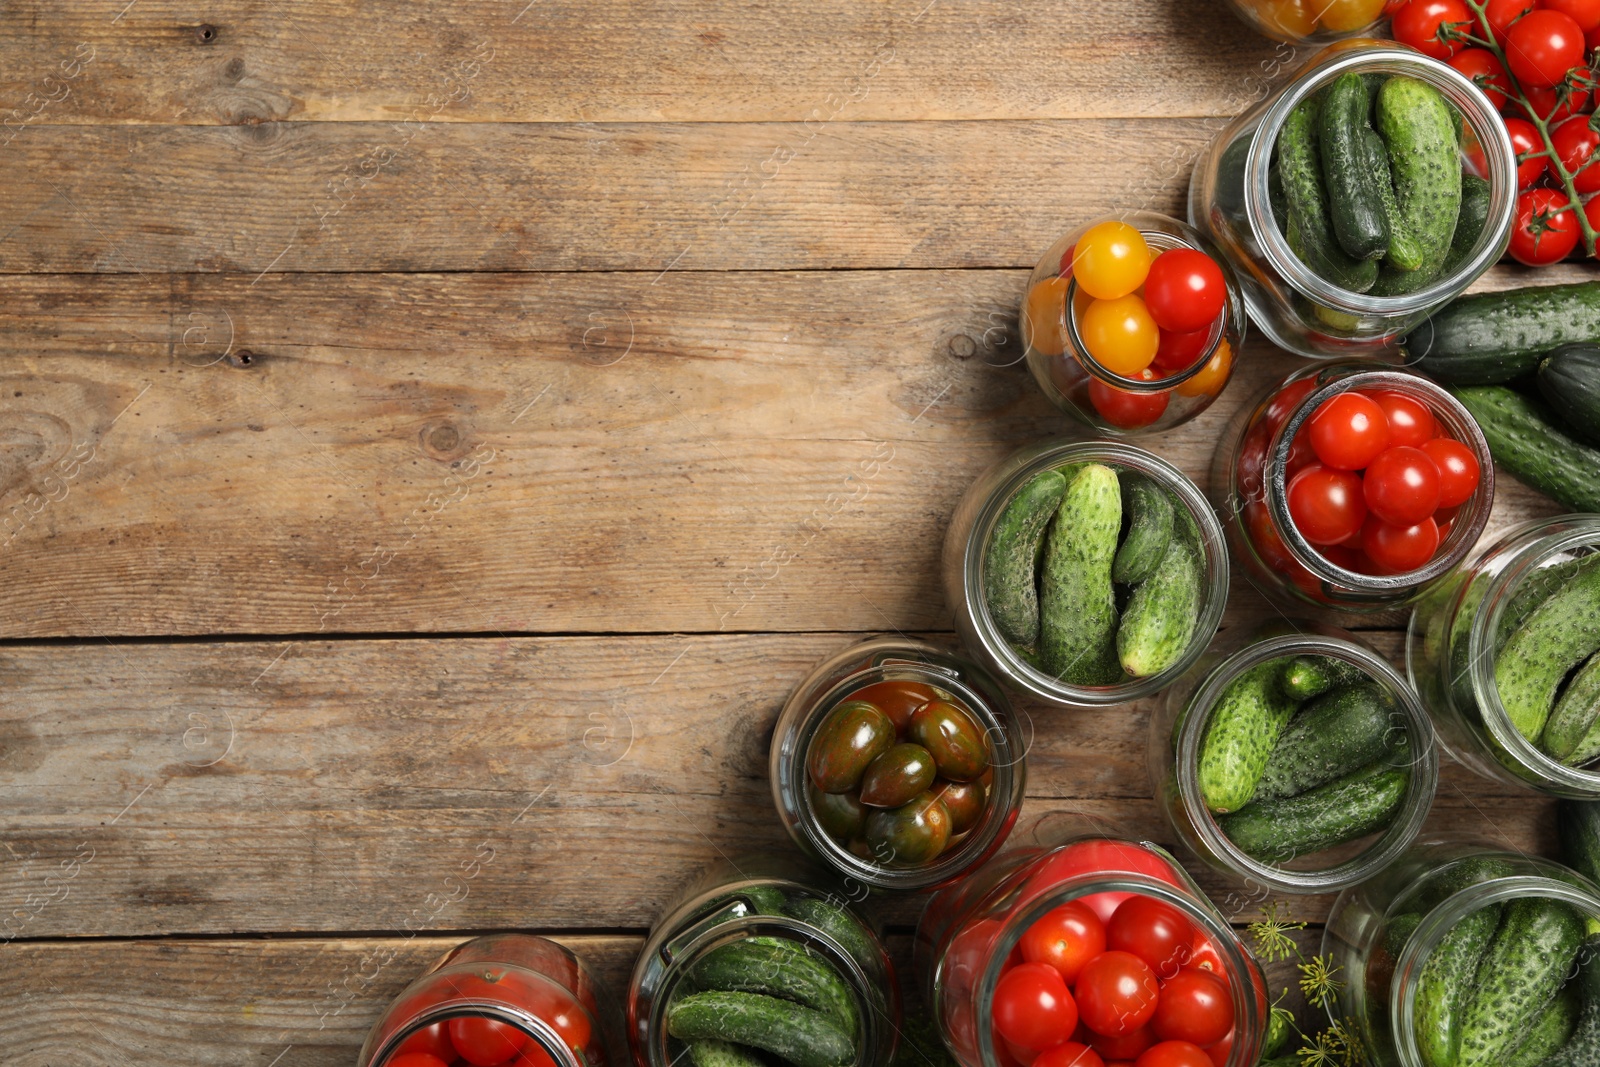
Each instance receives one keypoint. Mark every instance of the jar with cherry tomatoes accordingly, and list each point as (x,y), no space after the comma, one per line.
(764,961)
(1350,736)
(1131,323)
(510,999)
(1309,21)
(1231,202)
(1088,940)
(1044,603)
(1474,639)
(1352,487)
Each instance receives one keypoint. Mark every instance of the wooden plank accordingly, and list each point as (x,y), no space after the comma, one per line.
(358,453)
(611,60)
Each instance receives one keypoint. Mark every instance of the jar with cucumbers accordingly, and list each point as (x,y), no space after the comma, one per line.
(510,999)
(1370,190)
(1294,758)
(1085,573)
(1507,656)
(1082,947)
(763,963)
(1130,323)
(898,763)
(1464,956)
(1353,487)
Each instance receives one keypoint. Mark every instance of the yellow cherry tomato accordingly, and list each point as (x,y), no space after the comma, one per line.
(1042,317)
(1080,302)
(1120,334)
(1289,18)
(1111,260)
(1209,380)
(1343,16)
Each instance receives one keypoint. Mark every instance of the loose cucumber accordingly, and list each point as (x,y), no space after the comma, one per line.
(1572,735)
(1558,635)
(1578,826)
(1418,128)
(1244,726)
(1077,606)
(1525,965)
(1446,984)
(1013,553)
(1310,676)
(1161,618)
(722,1054)
(1524,439)
(1307,225)
(804,1037)
(1355,205)
(1569,380)
(1277,831)
(838,923)
(1492,338)
(1583,1047)
(1148,509)
(1551,1030)
(780,968)
(1331,736)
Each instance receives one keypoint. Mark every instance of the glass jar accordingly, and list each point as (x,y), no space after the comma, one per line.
(973,525)
(1229,202)
(1456,637)
(1251,466)
(1299,22)
(777,911)
(1381,933)
(1079,385)
(1179,725)
(972,812)
(525,996)
(970,932)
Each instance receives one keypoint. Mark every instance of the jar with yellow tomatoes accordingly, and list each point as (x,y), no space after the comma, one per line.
(1131,323)
(1309,21)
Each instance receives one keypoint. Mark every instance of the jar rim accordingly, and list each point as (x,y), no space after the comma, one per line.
(549,1040)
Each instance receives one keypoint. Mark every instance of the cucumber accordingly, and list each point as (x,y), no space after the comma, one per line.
(1355,205)
(763,899)
(1474,870)
(1446,983)
(1277,831)
(1280,1023)
(1578,826)
(1148,509)
(804,1037)
(1418,128)
(1077,606)
(1534,588)
(838,923)
(1551,1031)
(779,968)
(1310,676)
(1330,737)
(1525,965)
(1524,439)
(1572,734)
(1583,1047)
(1558,635)
(1398,932)
(1569,381)
(722,1054)
(1161,618)
(1012,554)
(1307,225)
(1244,726)
(1469,227)
(1492,338)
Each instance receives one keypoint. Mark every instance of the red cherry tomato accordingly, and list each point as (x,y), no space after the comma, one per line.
(1422,23)
(1195,1006)
(1178,351)
(1065,938)
(1546,228)
(1532,161)
(1069,1054)
(1486,71)
(1301,454)
(417,1059)
(1586,13)
(1176,1053)
(485,1042)
(1221,1051)
(1326,505)
(1153,930)
(1117,993)
(1552,104)
(1184,291)
(1284,402)
(1252,458)
(1579,149)
(1401,486)
(1410,421)
(1398,549)
(1542,46)
(1502,13)
(434,1040)
(1458,470)
(1095,856)
(1123,407)
(1348,430)
(1123,1046)
(561,1011)
(1033,1009)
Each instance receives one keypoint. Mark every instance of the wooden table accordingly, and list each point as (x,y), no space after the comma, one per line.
(434,437)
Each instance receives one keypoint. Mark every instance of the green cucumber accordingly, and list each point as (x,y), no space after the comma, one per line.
(1551,1030)
(1277,831)
(1355,205)
(1558,635)
(1307,225)
(722,1054)
(838,923)
(764,899)
(1572,734)
(1469,227)
(1525,965)
(1492,338)
(1311,675)
(1578,826)
(1331,736)
(803,1036)
(1583,1047)
(1012,554)
(1534,588)
(1462,874)
(1161,618)
(1445,985)
(1149,510)
(1418,128)
(1524,439)
(1077,606)
(1569,381)
(1250,714)
(1398,932)
(781,968)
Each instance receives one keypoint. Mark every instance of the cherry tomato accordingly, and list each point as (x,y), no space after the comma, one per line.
(1301,455)
(1579,149)
(1502,13)
(417,1059)
(1410,421)
(1290,18)
(1195,1006)
(485,1042)
(1209,380)
(1591,40)
(1486,71)
(1043,325)
(1458,470)
(1532,161)
(1111,260)
(1123,1046)
(1586,13)
(1284,402)
(1542,46)
(1033,1008)
(1422,23)
(1069,1054)
(1117,993)
(1326,505)
(1065,938)
(1346,16)
(434,1040)
(1401,486)
(556,1007)
(1178,351)
(1125,408)
(1221,1051)
(1184,290)
(1024,1056)
(1398,549)
(1176,1053)
(897,699)
(1348,430)
(1546,228)
(1153,930)
(1247,474)
(1095,856)
(1266,539)
(1561,102)
(1120,334)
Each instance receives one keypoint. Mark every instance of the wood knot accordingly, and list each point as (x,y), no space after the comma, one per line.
(234,69)
(205,33)
(443,441)
(244,357)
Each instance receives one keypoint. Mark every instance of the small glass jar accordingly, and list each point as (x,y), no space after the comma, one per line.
(1380,933)
(1079,385)
(525,996)
(974,522)
(755,904)
(1299,22)
(1180,724)
(1250,469)
(1229,202)
(901,676)
(969,933)
(1455,639)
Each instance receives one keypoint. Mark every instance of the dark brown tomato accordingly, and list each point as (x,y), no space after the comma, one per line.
(839,814)
(897,776)
(959,747)
(897,699)
(964,801)
(912,834)
(851,736)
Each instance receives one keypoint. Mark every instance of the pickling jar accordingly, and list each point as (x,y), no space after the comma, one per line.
(1300,22)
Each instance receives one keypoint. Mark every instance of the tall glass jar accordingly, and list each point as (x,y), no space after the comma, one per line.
(1251,471)
(1457,643)
(763,927)
(506,998)
(1381,933)
(965,565)
(940,828)
(1230,202)
(970,933)
(1405,743)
